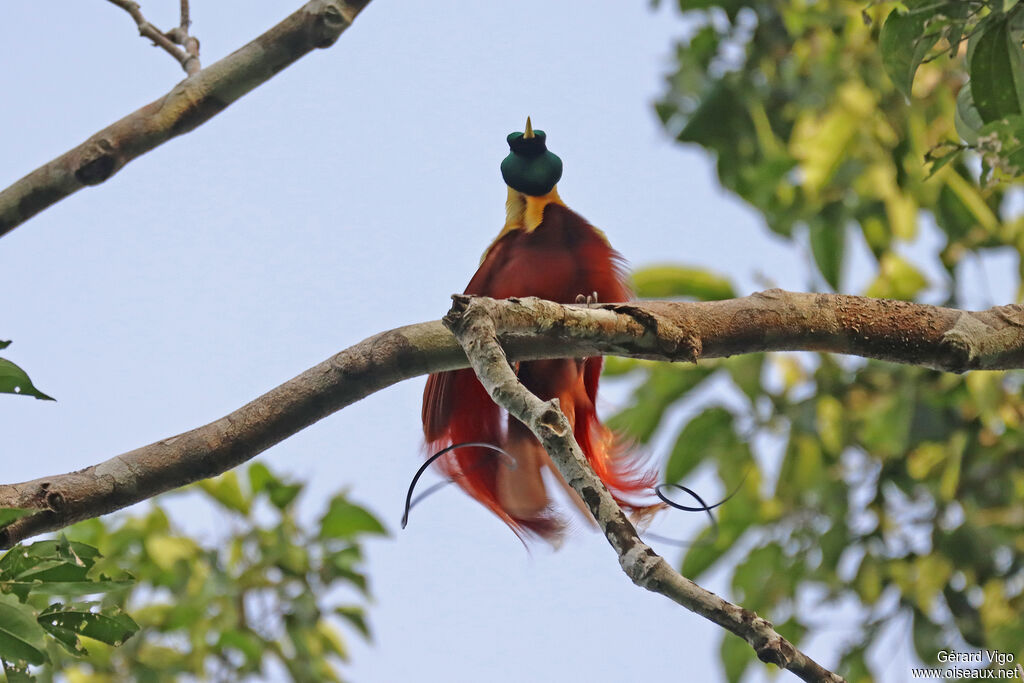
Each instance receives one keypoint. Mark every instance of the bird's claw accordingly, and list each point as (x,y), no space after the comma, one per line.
(588,299)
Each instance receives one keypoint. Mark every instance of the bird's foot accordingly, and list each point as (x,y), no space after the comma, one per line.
(588,299)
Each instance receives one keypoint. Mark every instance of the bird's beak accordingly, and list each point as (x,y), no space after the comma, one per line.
(529,129)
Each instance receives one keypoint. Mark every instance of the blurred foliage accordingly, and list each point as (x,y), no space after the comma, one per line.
(41,607)
(14,380)
(898,490)
(271,590)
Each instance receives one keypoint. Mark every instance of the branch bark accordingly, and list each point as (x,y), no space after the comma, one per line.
(189,104)
(774,320)
(477,332)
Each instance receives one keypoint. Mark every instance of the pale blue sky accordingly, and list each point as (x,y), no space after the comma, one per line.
(351,194)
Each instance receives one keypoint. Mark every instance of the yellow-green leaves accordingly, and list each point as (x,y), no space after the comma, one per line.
(665,384)
(226,491)
(821,122)
(191,601)
(166,551)
(346,520)
(828,245)
(705,438)
(29,576)
(820,143)
(667,281)
(897,279)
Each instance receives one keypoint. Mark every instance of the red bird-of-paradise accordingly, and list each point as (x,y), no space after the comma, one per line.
(549,251)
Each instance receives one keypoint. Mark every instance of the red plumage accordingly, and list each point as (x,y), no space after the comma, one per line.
(561,258)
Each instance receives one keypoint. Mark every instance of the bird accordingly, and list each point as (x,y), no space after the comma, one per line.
(546,250)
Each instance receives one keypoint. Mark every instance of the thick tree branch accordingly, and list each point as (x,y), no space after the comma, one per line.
(477,332)
(189,104)
(901,332)
(189,62)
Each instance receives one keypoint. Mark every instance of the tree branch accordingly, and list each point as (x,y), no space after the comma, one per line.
(180,35)
(775,320)
(189,62)
(189,104)
(477,332)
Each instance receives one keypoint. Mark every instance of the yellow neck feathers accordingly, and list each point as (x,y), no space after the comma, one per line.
(525,212)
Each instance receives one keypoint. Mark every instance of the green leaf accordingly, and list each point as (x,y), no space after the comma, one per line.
(904,42)
(107,625)
(719,119)
(967,120)
(940,156)
(166,551)
(356,616)
(4,344)
(997,71)
(340,564)
(737,655)
(746,371)
(226,490)
(261,478)
(703,439)
(14,380)
(897,279)
(347,520)
(248,643)
(802,468)
(665,385)
(928,637)
(282,496)
(21,638)
(703,553)
(8,515)
(17,673)
(828,244)
(665,281)
(45,561)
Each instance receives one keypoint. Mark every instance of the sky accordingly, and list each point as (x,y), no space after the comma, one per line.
(351,194)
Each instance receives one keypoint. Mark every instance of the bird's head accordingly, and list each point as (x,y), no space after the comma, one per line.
(530,168)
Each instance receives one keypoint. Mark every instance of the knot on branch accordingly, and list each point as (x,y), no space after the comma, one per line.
(330,23)
(552,422)
(55,501)
(469,312)
(775,650)
(97,163)
(959,351)
(455,315)
(962,343)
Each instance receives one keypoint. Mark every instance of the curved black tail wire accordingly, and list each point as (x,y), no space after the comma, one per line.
(704,507)
(510,462)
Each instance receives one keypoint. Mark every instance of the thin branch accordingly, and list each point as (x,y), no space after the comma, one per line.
(897,331)
(317,24)
(180,35)
(189,62)
(478,334)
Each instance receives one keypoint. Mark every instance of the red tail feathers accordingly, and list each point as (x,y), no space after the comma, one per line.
(562,257)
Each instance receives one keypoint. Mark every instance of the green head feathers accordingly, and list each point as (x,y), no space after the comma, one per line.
(530,168)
